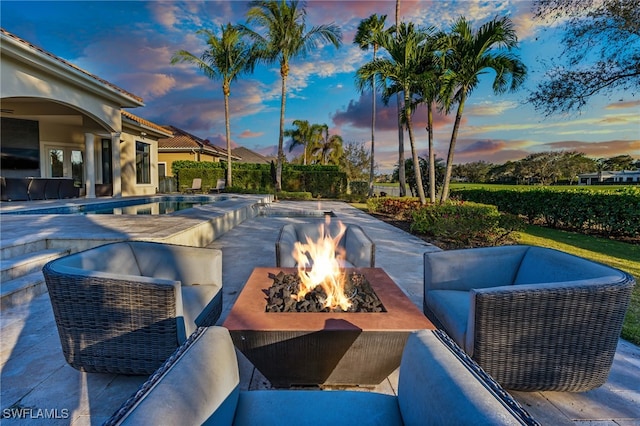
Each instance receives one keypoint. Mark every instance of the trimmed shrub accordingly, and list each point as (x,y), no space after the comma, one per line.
(614,213)
(466,224)
(320,181)
(359,187)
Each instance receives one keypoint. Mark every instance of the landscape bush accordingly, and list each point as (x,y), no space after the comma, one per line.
(614,213)
(359,187)
(458,224)
(399,207)
(319,180)
(465,224)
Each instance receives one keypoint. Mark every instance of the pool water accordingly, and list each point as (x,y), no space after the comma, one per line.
(161,207)
(140,206)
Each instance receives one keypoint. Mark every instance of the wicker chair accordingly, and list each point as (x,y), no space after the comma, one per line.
(533,318)
(358,248)
(125,307)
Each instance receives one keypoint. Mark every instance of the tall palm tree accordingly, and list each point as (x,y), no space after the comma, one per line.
(401,169)
(401,69)
(427,90)
(466,55)
(281,34)
(328,148)
(304,134)
(364,38)
(226,57)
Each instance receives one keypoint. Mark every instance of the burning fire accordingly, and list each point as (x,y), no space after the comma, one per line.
(319,264)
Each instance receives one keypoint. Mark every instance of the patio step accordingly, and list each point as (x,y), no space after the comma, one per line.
(21,276)
(21,290)
(26,263)
(11,250)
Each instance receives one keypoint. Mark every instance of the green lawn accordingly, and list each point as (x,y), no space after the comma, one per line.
(458,185)
(614,253)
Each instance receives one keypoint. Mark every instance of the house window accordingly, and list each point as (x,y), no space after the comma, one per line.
(106,161)
(143,162)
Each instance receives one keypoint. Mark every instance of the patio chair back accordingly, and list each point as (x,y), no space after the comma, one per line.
(196,185)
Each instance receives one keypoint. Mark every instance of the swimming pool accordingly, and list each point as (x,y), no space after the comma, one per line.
(157,205)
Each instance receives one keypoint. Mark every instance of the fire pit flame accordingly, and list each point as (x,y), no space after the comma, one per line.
(320,264)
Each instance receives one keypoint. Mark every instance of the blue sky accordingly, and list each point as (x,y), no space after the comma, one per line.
(130,44)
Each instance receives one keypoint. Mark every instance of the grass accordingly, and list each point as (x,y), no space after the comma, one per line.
(492,186)
(459,185)
(620,255)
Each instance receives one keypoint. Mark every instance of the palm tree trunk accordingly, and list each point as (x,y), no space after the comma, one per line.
(225,89)
(401,171)
(373,127)
(452,147)
(416,160)
(284,72)
(304,155)
(432,156)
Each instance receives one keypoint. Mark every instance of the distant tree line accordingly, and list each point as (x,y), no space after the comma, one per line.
(543,168)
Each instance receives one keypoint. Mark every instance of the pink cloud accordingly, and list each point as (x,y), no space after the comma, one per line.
(597,149)
(249,134)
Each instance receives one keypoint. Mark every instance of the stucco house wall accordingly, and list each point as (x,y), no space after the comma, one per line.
(75,111)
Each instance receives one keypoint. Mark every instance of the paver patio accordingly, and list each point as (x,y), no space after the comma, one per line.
(34,374)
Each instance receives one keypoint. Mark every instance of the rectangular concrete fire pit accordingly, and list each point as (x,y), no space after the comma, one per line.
(327,349)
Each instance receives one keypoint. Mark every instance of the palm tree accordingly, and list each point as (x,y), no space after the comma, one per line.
(401,168)
(328,148)
(304,134)
(466,55)
(401,69)
(226,57)
(284,36)
(367,29)
(427,89)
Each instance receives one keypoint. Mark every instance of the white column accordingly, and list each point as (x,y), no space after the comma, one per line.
(116,165)
(90,165)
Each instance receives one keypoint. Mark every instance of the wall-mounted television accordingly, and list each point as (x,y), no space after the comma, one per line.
(19,147)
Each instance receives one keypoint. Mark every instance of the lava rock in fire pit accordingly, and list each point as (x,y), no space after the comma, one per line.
(282,295)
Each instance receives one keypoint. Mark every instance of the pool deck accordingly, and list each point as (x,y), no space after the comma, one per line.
(35,376)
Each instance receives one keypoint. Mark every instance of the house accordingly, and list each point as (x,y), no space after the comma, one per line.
(59,120)
(182,145)
(252,157)
(610,177)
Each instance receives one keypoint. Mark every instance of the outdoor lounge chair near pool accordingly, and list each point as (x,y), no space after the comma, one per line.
(219,186)
(125,307)
(534,318)
(196,186)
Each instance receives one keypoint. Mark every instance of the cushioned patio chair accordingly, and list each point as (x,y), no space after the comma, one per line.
(534,318)
(359,249)
(437,385)
(196,186)
(125,307)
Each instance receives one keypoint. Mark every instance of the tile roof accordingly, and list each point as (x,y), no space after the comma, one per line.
(69,64)
(146,123)
(248,156)
(183,140)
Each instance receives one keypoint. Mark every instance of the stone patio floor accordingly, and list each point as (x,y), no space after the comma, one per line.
(34,375)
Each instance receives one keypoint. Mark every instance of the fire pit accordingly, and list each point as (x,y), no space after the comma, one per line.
(326,349)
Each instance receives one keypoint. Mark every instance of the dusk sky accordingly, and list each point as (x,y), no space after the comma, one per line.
(130,44)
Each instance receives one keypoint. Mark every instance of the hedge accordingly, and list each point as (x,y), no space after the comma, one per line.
(614,213)
(320,181)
